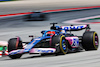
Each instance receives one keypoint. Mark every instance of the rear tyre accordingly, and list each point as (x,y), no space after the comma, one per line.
(14,44)
(60,44)
(90,40)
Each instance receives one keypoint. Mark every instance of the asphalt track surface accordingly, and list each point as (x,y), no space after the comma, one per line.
(18,27)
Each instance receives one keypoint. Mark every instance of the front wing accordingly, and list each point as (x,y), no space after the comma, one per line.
(34,50)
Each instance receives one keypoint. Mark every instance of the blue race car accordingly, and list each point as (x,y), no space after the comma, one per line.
(35,16)
(56,40)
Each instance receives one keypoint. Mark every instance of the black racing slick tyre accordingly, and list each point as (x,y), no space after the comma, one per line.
(14,44)
(90,40)
(60,43)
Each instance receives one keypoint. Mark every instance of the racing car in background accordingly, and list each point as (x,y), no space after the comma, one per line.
(35,16)
(56,40)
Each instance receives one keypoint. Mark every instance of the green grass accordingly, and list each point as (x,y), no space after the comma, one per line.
(94,18)
(91,19)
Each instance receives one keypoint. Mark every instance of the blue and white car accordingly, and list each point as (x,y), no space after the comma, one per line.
(57,40)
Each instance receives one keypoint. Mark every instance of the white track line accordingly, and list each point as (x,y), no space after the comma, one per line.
(78,21)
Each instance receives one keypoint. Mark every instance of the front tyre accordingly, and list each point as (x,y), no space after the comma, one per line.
(14,44)
(63,45)
(60,44)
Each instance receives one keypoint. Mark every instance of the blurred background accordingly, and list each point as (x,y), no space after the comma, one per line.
(31,5)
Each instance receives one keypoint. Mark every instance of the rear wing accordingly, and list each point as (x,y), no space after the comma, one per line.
(70,28)
(75,28)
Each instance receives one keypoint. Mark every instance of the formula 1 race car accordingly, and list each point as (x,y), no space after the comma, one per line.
(35,16)
(56,40)
(3,48)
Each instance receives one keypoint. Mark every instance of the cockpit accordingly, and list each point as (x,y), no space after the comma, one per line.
(48,33)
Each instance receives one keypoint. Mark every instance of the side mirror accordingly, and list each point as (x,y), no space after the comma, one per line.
(31,36)
(42,32)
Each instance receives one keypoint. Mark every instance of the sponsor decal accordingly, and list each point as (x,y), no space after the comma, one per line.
(45,51)
(73,27)
(75,42)
(37,39)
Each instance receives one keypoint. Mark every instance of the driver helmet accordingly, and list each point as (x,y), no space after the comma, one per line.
(50,33)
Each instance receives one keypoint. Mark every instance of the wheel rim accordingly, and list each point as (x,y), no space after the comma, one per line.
(64,44)
(96,40)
